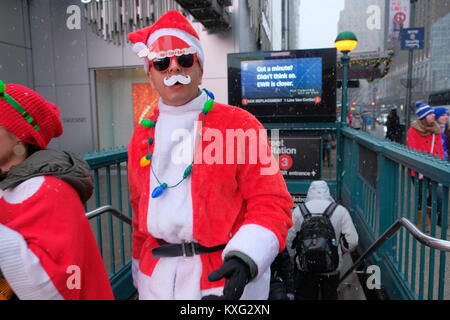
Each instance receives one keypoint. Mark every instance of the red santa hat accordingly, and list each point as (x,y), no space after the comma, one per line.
(170,35)
(28,116)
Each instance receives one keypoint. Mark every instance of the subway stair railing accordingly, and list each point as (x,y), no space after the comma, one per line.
(113,211)
(121,280)
(109,212)
(378,187)
(426,240)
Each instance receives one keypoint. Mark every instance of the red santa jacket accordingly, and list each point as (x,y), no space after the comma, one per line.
(224,196)
(47,248)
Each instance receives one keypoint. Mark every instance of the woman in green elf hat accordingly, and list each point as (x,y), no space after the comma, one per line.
(47,249)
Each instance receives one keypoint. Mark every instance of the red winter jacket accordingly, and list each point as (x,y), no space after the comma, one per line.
(47,248)
(424,144)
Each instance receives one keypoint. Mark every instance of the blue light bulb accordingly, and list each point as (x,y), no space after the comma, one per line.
(158,191)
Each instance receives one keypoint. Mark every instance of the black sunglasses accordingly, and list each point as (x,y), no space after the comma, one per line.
(185,61)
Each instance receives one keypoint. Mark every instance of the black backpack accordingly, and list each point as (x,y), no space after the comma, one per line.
(315,244)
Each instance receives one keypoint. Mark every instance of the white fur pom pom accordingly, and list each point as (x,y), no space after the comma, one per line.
(140,49)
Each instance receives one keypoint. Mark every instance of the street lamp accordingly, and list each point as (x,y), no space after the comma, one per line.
(345,42)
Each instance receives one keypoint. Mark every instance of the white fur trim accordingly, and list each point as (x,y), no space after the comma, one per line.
(213,291)
(258,243)
(179,278)
(22,269)
(135,271)
(23,191)
(186,37)
(140,49)
(172,279)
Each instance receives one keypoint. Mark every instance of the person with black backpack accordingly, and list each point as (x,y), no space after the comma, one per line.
(322,232)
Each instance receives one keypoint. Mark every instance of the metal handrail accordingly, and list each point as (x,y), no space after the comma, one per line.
(423,238)
(108,208)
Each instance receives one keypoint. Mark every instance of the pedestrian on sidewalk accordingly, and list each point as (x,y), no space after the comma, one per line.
(328,143)
(393,132)
(309,284)
(357,121)
(349,119)
(424,135)
(442,119)
(47,248)
(202,228)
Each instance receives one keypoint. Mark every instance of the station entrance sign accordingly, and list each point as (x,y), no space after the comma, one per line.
(299,157)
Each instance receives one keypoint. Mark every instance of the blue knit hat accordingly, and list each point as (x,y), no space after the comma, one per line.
(422,110)
(440,111)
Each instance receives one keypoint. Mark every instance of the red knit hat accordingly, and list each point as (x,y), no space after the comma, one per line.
(28,116)
(171,35)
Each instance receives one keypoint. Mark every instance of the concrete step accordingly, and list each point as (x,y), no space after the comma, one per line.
(350,288)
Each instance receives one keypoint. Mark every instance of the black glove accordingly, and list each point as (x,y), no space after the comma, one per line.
(237,274)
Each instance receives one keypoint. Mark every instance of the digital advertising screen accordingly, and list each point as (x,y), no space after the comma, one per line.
(288,86)
(289,80)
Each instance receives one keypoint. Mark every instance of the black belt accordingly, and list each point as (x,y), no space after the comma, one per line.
(185,249)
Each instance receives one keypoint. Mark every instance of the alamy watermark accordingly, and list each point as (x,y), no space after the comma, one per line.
(232,146)
(374,279)
(73,281)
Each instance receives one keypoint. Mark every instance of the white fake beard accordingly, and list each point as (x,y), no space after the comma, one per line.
(170,81)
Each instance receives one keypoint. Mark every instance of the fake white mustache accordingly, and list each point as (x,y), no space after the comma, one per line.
(170,81)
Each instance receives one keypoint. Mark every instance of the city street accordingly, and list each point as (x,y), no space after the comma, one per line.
(378,131)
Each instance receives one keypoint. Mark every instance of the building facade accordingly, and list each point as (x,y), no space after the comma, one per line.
(75,53)
(430,15)
(276,24)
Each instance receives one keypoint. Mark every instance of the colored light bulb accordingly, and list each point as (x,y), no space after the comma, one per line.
(210,94)
(208,106)
(158,191)
(144,162)
(148,123)
(187,172)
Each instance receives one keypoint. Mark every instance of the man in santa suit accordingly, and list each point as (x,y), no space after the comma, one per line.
(209,215)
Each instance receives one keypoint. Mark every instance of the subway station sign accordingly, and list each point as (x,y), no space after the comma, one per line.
(298,156)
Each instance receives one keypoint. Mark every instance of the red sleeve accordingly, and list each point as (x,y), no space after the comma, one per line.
(135,185)
(264,189)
